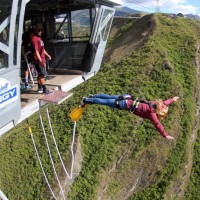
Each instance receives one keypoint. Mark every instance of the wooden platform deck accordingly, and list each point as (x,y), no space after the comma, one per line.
(58,79)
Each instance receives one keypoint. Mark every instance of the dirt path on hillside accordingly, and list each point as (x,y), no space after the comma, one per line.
(179,187)
(189,164)
(133,39)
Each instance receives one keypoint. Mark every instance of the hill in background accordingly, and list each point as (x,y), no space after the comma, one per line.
(191,16)
(122,11)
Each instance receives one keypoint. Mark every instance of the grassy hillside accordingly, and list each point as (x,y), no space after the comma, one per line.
(123,155)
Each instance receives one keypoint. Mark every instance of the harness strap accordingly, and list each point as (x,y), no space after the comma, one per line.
(135,104)
(121,98)
(117,104)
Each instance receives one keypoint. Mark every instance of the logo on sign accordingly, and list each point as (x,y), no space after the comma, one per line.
(8,94)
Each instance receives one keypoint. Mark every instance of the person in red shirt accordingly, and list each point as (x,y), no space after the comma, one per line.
(151,110)
(39,58)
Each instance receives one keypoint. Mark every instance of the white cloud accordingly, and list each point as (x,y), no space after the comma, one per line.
(118,1)
(169,6)
(178,6)
(185,9)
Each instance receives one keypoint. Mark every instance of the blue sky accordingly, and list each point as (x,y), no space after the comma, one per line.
(165,6)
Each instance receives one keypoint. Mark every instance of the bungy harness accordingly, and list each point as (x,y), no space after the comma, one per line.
(135,103)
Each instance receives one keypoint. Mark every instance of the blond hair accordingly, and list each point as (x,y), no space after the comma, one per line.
(161,109)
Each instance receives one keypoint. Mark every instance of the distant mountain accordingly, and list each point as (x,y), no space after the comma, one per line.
(121,11)
(192,16)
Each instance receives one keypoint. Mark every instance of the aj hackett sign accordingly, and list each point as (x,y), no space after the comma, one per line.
(7,94)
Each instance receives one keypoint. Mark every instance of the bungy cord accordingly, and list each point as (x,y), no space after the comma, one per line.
(38,157)
(72,149)
(48,116)
(51,156)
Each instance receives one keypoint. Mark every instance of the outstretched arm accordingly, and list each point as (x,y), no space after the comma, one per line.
(159,127)
(176,98)
(169,137)
(169,101)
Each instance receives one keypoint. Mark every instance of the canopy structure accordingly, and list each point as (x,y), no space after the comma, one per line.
(75,33)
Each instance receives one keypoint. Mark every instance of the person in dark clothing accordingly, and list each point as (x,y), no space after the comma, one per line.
(26,50)
(151,110)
